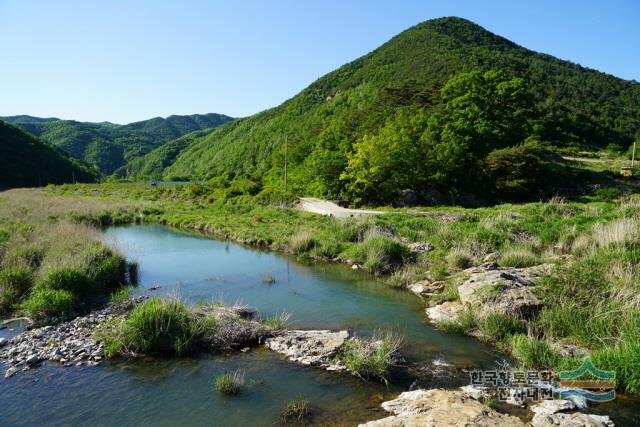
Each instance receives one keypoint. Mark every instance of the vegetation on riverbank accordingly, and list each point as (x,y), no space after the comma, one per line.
(588,300)
(51,266)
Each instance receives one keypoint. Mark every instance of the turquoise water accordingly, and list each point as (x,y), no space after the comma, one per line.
(161,392)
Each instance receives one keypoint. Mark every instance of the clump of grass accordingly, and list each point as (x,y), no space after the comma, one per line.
(157,326)
(302,242)
(45,303)
(534,353)
(296,410)
(230,383)
(70,279)
(464,324)
(500,326)
(459,258)
(519,257)
(371,359)
(121,295)
(278,322)
(379,254)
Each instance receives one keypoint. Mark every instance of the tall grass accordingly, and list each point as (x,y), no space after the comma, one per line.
(230,383)
(371,358)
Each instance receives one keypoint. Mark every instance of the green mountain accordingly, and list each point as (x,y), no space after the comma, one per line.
(153,164)
(27,162)
(423,112)
(109,146)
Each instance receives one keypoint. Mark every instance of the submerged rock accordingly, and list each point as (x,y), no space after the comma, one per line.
(11,372)
(310,347)
(439,407)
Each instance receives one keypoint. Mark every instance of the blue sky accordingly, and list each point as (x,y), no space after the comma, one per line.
(123,61)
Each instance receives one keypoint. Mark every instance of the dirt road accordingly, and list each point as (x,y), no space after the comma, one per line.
(324,207)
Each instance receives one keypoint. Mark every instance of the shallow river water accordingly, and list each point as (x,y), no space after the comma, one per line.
(174,392)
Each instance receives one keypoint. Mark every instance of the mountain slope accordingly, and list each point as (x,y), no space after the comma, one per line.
(572,106)
(109,146)
(27,162)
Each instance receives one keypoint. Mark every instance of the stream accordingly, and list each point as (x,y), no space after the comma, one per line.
(169,392)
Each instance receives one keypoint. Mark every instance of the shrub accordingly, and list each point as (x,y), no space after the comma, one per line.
(158,326)
(607,194)
(371,358)
(14,284)
(69,279)
(298,410)
(47,302)
(533,352)
(107,269)
(230,383)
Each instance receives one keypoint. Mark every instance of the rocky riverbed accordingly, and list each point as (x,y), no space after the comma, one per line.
(68,343)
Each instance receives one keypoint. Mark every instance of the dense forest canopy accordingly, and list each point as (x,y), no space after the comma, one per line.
(108,146)
(442,97)
(27,162)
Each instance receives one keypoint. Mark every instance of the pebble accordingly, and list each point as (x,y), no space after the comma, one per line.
(69,343)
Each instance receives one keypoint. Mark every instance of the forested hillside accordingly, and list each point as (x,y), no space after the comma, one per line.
(109,146)
(27,162)
(444,108)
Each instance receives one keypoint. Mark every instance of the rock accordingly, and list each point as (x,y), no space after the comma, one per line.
(3,341)
(501,290)
(576,419)
(426,287)
(447,311)
(11,372)
(356,266)
(492,257)
(33,360)
(309,347)
(550,407)
(439,407)
(475,392)
(420,247)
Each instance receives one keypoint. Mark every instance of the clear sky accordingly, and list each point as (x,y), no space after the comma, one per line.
(128,60)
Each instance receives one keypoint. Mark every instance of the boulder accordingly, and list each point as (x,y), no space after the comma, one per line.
(3,341)
(445,312)
(309,347)
(577,419)
(501,290)
(439,407)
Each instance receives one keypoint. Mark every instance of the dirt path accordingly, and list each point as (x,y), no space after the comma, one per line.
(324,207)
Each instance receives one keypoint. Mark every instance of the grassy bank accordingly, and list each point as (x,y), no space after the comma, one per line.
(590,300)
(50,265)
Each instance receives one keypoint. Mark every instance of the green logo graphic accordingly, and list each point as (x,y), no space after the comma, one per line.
(589,382)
